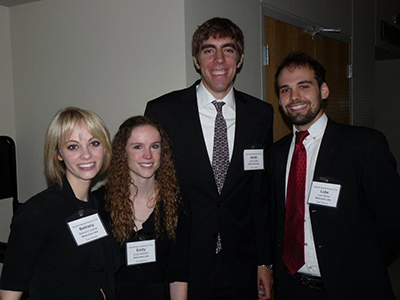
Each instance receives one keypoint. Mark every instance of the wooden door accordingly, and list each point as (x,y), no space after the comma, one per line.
(281,38)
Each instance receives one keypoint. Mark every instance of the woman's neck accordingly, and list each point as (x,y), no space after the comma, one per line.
(143,197)
(79,187)
(143,190)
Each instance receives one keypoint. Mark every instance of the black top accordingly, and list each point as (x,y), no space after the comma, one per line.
(42,255)
(171,259)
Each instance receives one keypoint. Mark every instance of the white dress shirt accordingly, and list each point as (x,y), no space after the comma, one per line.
(312,144)
(207,113)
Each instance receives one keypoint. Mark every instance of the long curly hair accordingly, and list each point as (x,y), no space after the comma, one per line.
(167,201)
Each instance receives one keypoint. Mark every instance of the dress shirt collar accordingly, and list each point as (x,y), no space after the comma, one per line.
(316,129)
(204,97)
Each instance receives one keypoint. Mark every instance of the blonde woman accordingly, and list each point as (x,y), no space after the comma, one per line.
(58,247)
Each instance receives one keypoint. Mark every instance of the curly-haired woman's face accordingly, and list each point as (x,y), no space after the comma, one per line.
(143,151)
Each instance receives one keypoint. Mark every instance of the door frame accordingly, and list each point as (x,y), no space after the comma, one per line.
(280,15)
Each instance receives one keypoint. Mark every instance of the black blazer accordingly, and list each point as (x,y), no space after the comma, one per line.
(353,239)
(240,212)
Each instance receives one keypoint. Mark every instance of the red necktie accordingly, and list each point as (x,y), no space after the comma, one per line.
(293,244)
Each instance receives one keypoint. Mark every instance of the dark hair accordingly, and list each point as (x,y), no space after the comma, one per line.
(119,180)
(300,59)
(217,28)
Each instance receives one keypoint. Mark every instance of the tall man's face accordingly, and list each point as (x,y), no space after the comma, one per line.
(218,61)
(300,97)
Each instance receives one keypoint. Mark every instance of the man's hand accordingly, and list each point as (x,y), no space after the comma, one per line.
(264,282)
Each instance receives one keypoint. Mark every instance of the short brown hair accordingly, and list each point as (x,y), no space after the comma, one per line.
(217,28)
(60,130)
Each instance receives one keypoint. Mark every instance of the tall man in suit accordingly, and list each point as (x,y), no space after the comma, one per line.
(336,192)
(218,136)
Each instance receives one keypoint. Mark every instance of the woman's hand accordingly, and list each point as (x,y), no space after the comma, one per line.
(10,295)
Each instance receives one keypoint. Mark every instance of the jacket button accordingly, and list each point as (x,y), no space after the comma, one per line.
(219,204)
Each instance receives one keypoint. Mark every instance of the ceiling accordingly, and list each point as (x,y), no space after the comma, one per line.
(10,3)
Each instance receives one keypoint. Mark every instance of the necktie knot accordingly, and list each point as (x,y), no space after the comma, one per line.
(218,105)
(300,136)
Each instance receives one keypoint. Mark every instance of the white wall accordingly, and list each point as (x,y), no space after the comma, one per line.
(107,56)
(388,104)
(7,120)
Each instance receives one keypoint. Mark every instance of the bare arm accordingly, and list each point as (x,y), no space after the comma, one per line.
(10,295)
(178,290)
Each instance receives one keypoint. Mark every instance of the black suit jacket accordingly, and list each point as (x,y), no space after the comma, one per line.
(240,212)
(353,239)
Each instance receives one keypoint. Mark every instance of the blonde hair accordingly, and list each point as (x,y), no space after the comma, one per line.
(59,131)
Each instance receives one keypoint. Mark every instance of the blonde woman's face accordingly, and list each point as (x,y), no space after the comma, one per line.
(82,154)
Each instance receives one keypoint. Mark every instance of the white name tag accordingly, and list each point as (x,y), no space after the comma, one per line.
(87,229)
(253,159)
(140,252)
(325,194)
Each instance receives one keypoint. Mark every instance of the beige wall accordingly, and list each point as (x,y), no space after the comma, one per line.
(107,56)
(7,120)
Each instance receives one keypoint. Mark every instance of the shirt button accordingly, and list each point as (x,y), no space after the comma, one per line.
(310,268)
(305,244)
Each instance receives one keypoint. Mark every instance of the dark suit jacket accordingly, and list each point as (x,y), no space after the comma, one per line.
(353,239)
(240,213)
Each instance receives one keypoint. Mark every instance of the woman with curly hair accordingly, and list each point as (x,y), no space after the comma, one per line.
(142,204)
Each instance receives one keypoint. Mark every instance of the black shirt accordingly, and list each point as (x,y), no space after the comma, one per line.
(151,279)
(42,255)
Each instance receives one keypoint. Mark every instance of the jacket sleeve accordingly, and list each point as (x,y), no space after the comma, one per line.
(381,184)
(261,203)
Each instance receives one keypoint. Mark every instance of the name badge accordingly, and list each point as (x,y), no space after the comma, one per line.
(253,159)
(140,252)
(87,229)
(325,194)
